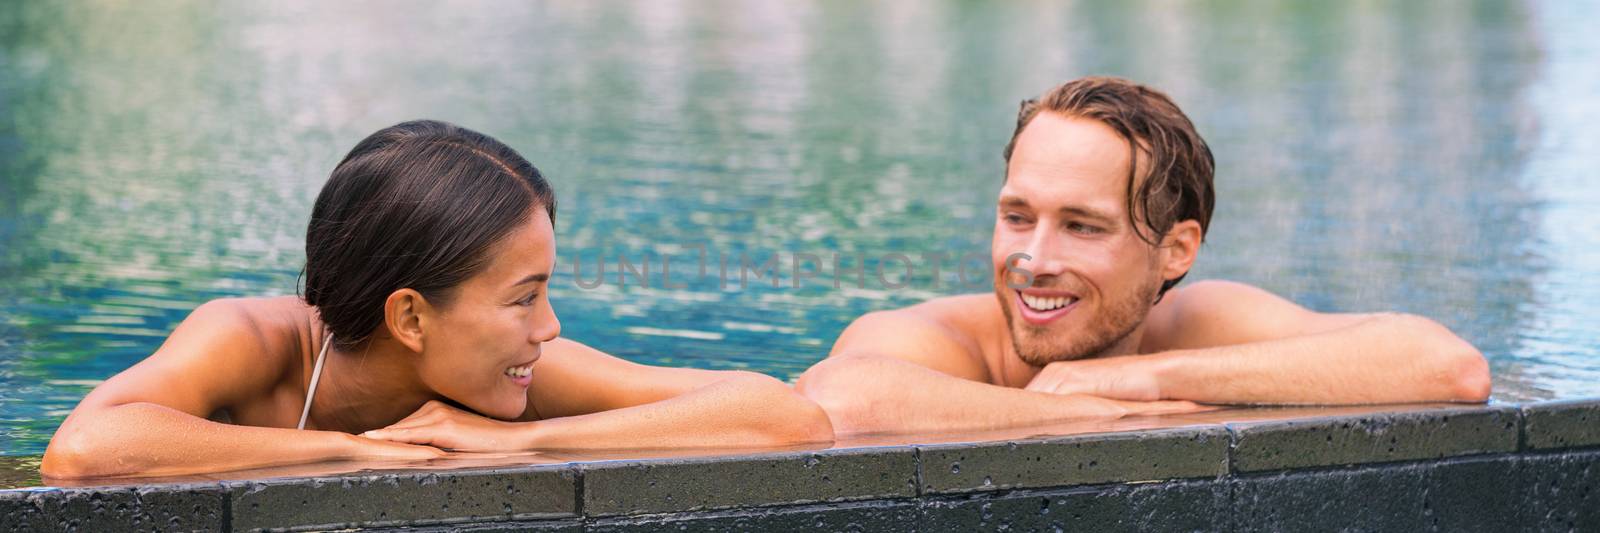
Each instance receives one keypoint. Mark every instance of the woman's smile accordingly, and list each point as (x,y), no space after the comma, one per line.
(522,374)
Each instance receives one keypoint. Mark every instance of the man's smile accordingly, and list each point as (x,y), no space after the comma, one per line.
(1040,307)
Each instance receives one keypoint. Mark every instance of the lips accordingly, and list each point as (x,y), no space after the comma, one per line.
(521,375)
(520,371)
(1043,307)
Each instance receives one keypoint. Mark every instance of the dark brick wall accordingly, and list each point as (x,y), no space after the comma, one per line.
(1482,468)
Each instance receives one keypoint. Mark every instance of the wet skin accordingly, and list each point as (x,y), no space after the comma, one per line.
(1086,337)
(444,373)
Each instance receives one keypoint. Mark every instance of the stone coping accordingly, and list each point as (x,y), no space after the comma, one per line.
(559,491)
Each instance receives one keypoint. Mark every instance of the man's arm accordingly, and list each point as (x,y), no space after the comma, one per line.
(1221,342)
(900,371)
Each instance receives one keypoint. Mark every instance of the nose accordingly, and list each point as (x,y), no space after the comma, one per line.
(1045,249)
(547,328)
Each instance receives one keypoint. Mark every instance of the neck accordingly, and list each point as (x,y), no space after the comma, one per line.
(368,387)
(1018,375)
(1128,345)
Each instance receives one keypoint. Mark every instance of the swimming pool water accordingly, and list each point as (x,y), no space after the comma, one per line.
(1427,157)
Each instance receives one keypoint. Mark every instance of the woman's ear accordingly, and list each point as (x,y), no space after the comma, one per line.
(1179,248)
(404,313)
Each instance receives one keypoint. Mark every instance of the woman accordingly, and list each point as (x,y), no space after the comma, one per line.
(424,326)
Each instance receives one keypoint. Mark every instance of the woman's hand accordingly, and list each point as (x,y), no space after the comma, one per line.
(439,425)
(374,449)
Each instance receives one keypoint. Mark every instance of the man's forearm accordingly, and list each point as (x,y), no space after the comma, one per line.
(1388,359)
(886,395)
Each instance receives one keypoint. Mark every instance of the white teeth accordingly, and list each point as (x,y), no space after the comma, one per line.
(520,371)
(1046,304)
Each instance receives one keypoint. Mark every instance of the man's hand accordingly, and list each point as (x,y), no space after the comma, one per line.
(1118,378)
(1091,407)
(440,425)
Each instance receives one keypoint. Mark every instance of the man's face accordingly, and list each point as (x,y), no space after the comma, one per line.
(1064,204)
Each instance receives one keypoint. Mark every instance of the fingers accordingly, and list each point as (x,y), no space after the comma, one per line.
(1163,407)
(391,448)
(403,426)
(430,425)
(432,413)
(1048,380)
(418,451)
(1201,408)
(431,410)
(1061,377)
(415,422)
(437,406)
(404,435)
(1058,386)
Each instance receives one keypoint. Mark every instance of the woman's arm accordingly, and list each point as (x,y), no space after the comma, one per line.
(583,398)
(150,420)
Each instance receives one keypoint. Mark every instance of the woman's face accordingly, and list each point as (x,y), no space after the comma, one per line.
(479,348)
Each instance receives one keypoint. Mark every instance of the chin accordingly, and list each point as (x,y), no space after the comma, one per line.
(512,411)
(1044,355)
(1042,346)
(501,408)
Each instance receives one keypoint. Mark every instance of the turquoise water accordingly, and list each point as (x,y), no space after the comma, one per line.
(1434,158)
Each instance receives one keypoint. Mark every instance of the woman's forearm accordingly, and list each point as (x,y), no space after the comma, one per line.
(146,439)
(745,411)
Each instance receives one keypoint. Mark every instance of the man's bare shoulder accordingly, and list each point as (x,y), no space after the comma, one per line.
(1217,312)
(947,334)
(1172,321)
(970,315)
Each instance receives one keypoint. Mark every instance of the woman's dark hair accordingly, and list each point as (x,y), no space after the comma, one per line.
(416,205)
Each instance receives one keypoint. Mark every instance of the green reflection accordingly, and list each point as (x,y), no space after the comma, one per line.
(1371,156)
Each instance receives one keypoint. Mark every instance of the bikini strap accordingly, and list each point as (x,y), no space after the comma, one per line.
(316,374)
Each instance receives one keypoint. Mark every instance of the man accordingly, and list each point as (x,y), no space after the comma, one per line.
(1107,197)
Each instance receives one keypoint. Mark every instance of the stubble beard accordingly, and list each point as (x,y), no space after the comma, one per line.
(1110,325)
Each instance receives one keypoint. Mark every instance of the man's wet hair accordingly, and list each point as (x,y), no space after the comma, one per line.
(1178,184)
(416,205)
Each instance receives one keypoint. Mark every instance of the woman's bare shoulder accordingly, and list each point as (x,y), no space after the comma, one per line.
(271,316)
(271,331)
(226,351)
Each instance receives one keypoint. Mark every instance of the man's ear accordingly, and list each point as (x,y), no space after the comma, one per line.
(1179,248)
(404,313)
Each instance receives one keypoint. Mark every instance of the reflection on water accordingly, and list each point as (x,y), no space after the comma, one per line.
(1407,156)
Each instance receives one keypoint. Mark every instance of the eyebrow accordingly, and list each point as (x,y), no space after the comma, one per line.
(532,278)
(1083,212)
(1091,214)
